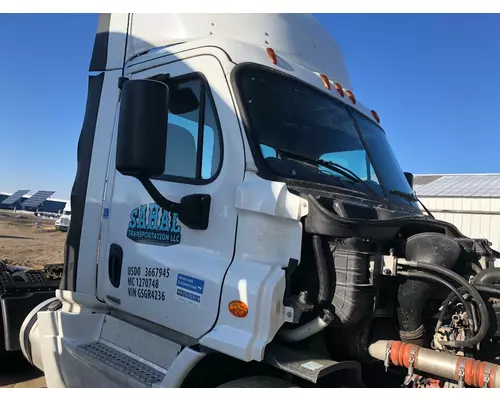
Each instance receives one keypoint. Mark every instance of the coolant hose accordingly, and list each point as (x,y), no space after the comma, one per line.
(487,277)
(488,289)
(323,272)
(464,370)
(308,329)
(324,298)
(483,311)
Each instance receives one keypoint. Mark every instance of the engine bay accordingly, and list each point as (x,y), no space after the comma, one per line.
(406,295)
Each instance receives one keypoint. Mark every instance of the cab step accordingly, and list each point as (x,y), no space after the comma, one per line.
(125,362)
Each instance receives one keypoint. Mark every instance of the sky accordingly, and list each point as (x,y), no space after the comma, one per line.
(433,79)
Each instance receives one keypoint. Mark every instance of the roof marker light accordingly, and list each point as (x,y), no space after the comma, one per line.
(325,80)
(272,55)
(339,89)
(351,96)
(376,116)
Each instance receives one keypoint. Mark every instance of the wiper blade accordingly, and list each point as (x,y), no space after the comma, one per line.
(411,197)
(404,195)
(340,169)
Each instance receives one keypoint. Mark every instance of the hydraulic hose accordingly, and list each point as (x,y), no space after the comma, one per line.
(483,311)
(455,292)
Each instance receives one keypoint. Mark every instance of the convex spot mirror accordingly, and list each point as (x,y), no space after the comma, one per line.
(142,128)
(183,101)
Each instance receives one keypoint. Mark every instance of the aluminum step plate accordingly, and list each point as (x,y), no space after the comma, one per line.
(129,364)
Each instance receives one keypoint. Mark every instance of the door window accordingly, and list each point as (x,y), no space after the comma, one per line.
(193,136)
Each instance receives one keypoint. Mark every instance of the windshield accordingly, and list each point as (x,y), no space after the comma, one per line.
(288,117)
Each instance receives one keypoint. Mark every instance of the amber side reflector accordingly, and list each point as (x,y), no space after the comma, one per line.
(272,55)
(375,115)
(351,96)
(339,89)
(238,309)
(325,80)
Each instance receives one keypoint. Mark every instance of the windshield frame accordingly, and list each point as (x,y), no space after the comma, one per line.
(266,172)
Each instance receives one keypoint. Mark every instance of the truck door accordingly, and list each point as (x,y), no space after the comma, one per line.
(150,264)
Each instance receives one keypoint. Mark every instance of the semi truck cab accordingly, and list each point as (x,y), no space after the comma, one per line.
(207,141)
(62,223)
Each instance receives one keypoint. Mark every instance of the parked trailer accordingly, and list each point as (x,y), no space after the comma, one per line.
(22,289)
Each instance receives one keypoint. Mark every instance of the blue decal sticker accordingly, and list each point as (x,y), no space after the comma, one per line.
(188,296)
(105,213)
(190,283)
(189,289)
(151,224)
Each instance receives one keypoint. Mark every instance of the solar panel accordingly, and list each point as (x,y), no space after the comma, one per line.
(14,197)
(38,198)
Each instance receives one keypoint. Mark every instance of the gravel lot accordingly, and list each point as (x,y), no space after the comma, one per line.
(25,242)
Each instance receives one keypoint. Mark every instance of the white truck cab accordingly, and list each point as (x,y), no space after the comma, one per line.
(210,146)
(62,223)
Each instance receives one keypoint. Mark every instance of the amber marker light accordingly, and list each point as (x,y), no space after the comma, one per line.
(238,308)
(272,55)
(338,87)
(351,96)
(325,80)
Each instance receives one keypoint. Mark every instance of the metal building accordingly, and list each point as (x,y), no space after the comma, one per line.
(470,202)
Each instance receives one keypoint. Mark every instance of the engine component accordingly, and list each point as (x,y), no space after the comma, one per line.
(455,292)
(354,292)
(324,291)
(308,329)
(427,247)
(487,277)
(464,370)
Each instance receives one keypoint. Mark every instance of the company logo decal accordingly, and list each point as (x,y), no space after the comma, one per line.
(149,223)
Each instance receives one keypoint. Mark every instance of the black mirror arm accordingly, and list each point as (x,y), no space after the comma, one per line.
(193,210)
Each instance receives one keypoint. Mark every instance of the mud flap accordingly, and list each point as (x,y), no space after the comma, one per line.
(309,368)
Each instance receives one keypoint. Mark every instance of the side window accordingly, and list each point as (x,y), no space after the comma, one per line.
(193,137)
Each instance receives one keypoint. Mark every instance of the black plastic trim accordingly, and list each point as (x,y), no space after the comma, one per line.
(99,59)
(79,190)
(115,264)
(133,63)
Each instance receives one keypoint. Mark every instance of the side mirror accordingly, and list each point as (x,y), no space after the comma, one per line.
(142,128)
(409,178)
(142,145)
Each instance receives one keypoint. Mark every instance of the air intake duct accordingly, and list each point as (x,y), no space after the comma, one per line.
(432,248)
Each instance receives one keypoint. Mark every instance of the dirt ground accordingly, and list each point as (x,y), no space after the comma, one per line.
(23,242)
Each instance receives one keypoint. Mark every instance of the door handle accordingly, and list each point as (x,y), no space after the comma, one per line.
(115,262)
